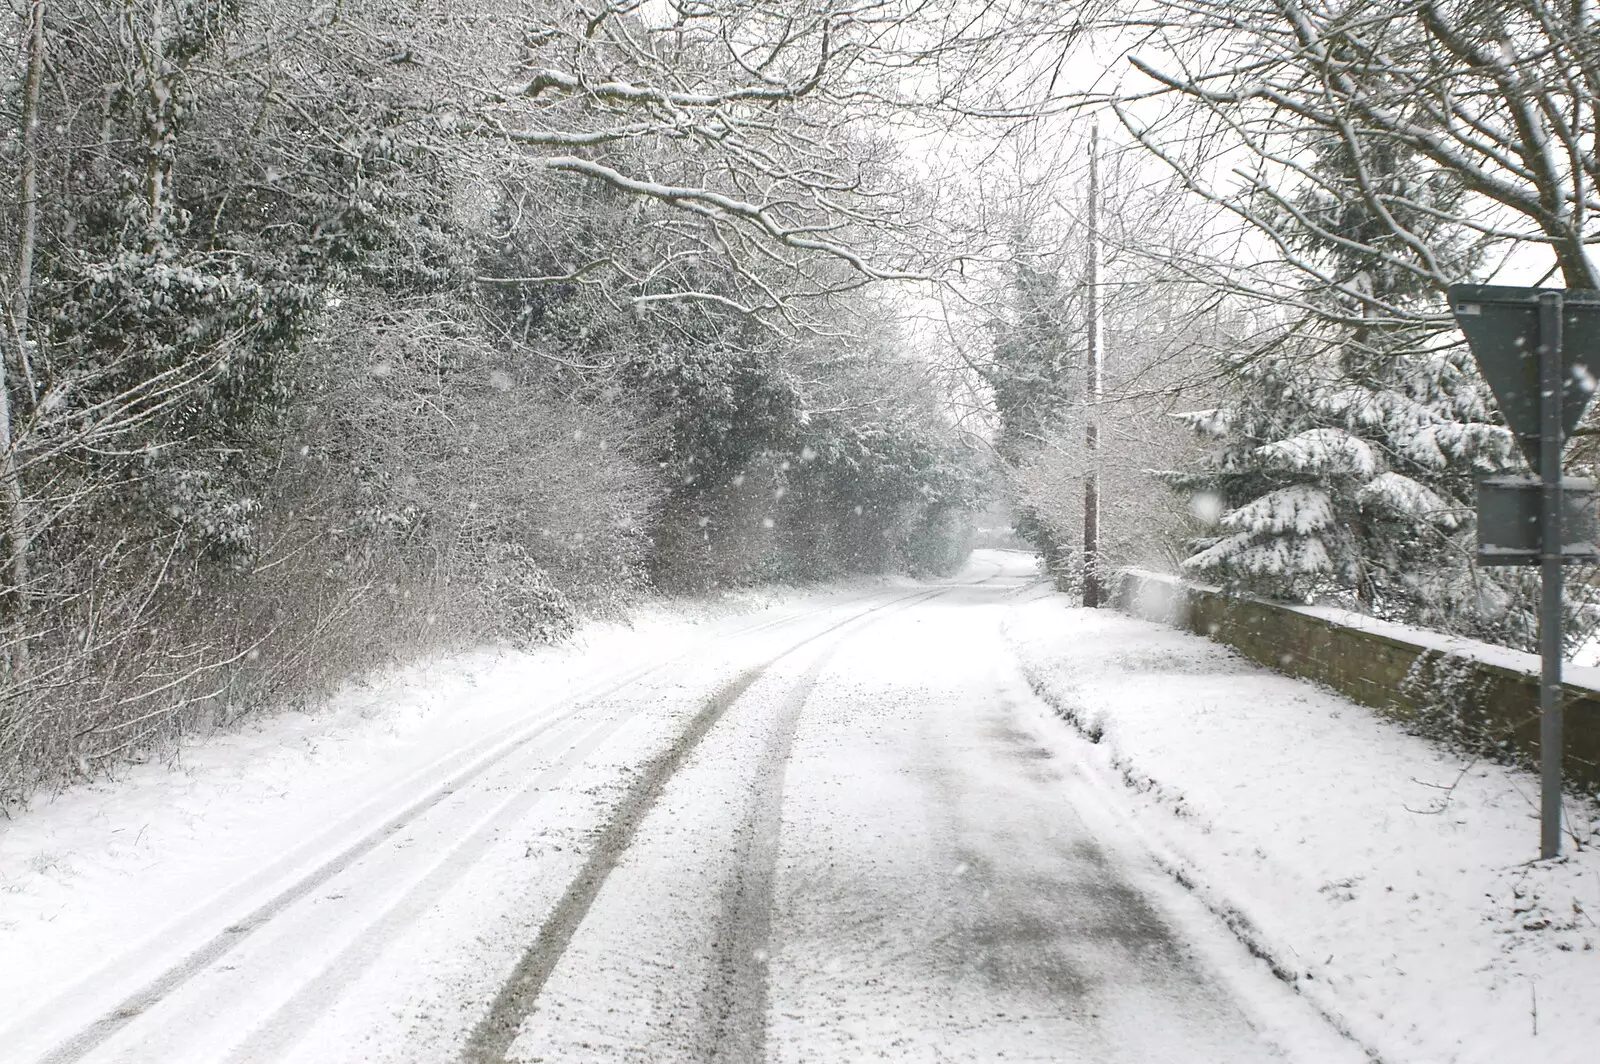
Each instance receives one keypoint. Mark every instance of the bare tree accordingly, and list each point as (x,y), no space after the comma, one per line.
(1494,102)
(774,134)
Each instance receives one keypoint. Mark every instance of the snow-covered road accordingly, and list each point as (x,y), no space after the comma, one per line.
(831,832)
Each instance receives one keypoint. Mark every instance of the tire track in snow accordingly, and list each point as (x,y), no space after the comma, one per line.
(489,752)
(293,1020)
(736,998)
(492,1037)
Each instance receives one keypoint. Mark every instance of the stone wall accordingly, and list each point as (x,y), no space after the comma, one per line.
(1482,697)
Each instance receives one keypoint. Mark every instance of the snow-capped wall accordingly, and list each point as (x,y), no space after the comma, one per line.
(1459,690)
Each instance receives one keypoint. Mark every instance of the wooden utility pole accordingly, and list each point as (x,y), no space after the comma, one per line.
(1093,583)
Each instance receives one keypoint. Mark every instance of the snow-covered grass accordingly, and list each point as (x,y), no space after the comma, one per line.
(1387,879)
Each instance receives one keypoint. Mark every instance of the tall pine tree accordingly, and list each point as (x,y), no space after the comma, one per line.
(1347,451)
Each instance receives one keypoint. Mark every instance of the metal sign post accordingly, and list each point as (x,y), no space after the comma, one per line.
(1551,439)
(1539,349)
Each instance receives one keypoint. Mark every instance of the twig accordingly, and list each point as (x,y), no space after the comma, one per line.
(1449,790)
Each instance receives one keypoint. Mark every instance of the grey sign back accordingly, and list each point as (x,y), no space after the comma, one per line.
(1502,327)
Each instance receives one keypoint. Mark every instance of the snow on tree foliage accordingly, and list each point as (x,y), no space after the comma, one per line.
(1348,442)
(1300,509)
(1322,451)
(1404,497)
(1358,489)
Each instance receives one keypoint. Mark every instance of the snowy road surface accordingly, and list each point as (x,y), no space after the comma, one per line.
(830,832)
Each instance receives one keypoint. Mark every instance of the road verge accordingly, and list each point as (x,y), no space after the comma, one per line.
(1384,878)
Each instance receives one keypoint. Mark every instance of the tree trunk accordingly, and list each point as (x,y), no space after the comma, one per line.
(158,133)
(13,511)
(28,200)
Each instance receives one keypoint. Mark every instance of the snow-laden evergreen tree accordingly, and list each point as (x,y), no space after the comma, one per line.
(1357,489)
(1347,451)
(1036,377)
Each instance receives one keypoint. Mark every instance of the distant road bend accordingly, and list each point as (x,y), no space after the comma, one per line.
(841,831)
